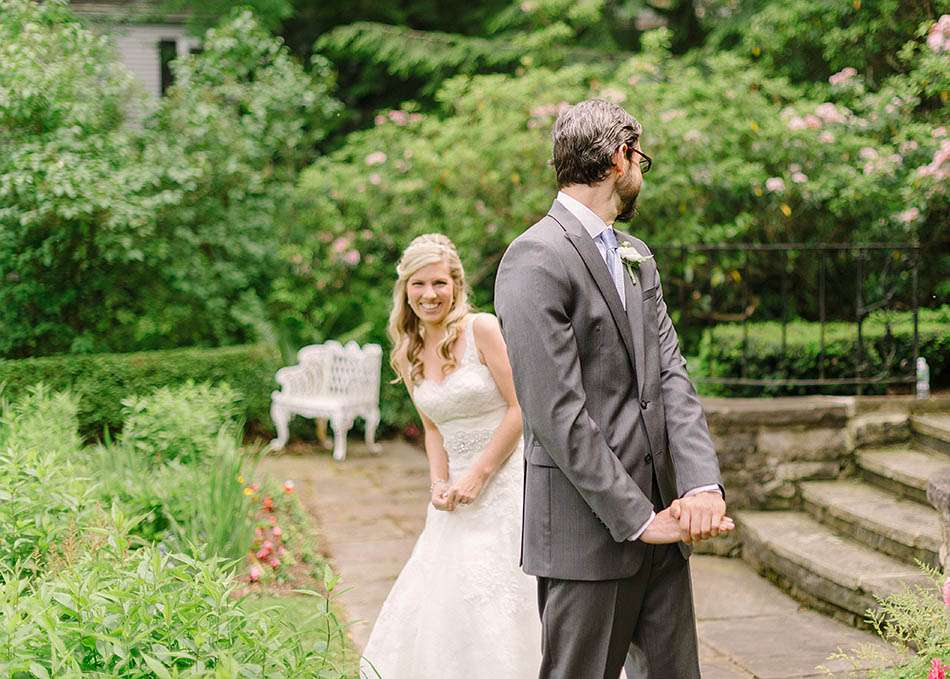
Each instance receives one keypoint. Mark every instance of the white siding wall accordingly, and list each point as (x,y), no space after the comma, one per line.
(138,49)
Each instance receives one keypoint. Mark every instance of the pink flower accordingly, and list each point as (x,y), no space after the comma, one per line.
(376,158)
(826,138)
(907,216)
(842,76)
(278,531)
(908,146)
(867,153)
(288,486)
(946,592)
(796,123)
(812,122)
(281,551)
(936,669)
(399,117)
(379,119)
(938,37)
(830,113)
(352,258)
(254,573)
(939,132)
(341,245)
(799,177)
(262,554)
(774,185)
(275,563)
(375,179)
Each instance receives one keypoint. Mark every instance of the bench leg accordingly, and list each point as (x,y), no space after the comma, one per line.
(321,432)
(372,422)
(281,418)
(341,426)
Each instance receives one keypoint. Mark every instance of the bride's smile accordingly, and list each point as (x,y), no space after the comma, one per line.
(431,292)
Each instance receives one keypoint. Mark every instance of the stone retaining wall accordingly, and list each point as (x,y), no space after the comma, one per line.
(768,445)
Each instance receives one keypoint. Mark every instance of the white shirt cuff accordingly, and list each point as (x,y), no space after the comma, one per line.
(704,489)
(636,536)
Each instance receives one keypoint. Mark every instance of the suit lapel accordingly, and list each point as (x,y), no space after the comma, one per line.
(595,264)
(635,318)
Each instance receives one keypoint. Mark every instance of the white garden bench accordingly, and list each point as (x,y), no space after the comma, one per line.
(330,382)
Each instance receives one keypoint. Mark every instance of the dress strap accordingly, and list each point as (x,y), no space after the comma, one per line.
(471,351)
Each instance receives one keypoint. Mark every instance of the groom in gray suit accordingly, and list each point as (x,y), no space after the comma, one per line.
(620,471)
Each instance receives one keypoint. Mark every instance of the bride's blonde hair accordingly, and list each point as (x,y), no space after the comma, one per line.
(404,329)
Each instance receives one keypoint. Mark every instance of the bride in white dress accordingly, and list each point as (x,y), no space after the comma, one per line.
(461,608)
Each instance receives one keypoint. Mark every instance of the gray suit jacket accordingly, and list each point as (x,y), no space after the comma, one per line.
(605,397)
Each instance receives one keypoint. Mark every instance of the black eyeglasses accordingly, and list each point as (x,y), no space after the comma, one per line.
(646,162)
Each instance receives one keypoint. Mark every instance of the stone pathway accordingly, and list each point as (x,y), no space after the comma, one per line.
(370,509)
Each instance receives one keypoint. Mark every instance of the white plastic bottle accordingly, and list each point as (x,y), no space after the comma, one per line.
(923,378)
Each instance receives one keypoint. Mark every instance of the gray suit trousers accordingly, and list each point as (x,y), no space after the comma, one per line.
(589,626)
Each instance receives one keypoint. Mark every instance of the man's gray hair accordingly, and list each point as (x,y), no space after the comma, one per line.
(586,136)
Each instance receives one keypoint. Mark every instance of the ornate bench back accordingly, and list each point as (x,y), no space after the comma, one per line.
(347,374)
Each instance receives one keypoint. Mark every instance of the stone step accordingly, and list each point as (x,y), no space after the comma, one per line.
(880,428)
(904,529)
(901,470)
(933,431)
(820,568)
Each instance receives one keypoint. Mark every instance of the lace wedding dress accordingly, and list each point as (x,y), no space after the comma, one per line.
(462,608)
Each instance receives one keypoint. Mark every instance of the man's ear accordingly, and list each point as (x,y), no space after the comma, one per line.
(619,158)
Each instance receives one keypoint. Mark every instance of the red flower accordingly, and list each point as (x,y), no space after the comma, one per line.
(268,504)
(936,669)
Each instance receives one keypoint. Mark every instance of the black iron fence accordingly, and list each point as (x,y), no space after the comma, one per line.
(732,289)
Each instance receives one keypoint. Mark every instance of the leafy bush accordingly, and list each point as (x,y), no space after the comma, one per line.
(216,515)
(886,335)
(158,234)
(181,423)
(916,621)
(42,490)
(123,612)
(82,594)
(101,382)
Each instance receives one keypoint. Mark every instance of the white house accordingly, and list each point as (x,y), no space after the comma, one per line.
(147,39)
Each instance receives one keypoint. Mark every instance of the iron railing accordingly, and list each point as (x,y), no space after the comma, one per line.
(706,285)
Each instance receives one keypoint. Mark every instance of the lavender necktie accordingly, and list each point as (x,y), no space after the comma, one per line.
(614,265)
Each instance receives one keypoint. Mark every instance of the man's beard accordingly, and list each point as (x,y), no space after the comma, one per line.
(628,208)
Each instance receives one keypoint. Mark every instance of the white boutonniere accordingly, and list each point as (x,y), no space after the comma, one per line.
(632,259)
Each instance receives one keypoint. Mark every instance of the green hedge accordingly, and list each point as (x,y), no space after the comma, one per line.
(720,353)
(103,381)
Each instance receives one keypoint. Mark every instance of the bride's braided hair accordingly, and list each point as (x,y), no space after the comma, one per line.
(404,329)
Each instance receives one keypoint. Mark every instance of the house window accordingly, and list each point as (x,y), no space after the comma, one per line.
(167,51)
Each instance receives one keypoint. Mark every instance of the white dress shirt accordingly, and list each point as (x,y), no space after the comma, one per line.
(594,225)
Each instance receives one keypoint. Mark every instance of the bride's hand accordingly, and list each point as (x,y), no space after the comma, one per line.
(440,496)
(469,487)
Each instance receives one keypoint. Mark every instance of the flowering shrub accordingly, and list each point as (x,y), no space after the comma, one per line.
(915,619)
(741,154)
(144,589)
